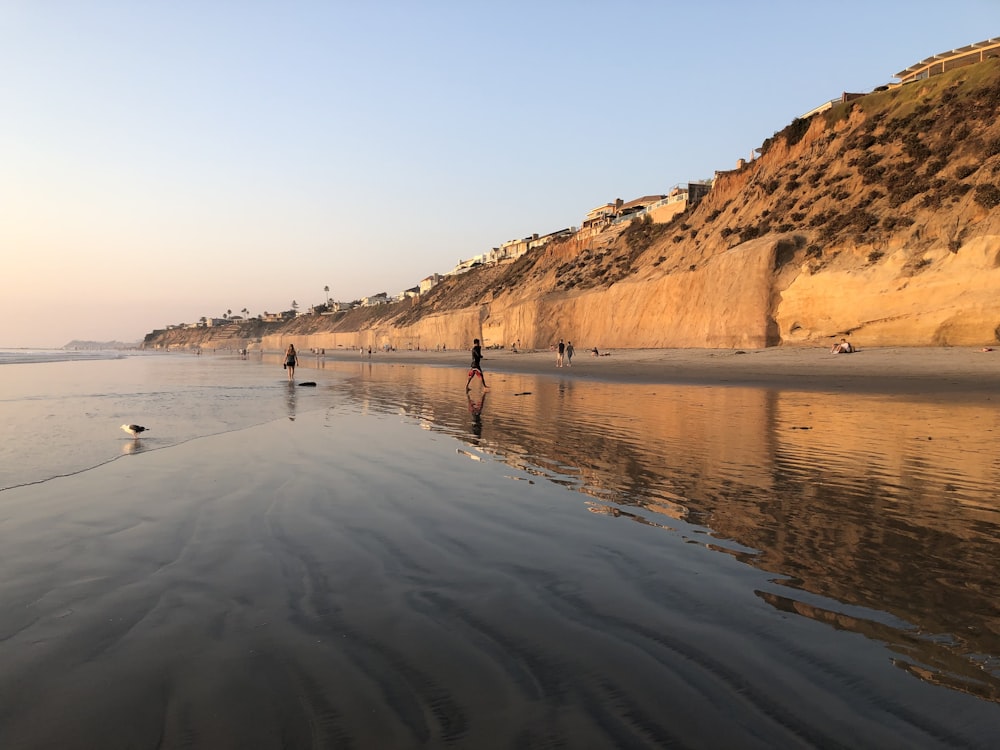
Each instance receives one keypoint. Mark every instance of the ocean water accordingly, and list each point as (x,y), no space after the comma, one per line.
(63,410)
(385,561)
(24,356)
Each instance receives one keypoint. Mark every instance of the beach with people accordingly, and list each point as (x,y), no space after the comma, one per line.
(889,369)
(411,376)
(784,542)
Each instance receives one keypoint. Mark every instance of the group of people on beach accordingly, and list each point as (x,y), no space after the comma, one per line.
(564,357)
(564,354)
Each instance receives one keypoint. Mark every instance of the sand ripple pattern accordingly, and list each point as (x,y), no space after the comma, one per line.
(624,568)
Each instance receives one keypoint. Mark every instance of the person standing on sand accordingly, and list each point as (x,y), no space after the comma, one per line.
(561,354)
(569,353)
(291,360)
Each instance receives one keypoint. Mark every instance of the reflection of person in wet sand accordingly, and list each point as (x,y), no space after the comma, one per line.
(290,400)
(476,410)
(476,370)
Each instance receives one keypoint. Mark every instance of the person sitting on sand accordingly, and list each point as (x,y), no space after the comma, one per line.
(844,347)
(594,352)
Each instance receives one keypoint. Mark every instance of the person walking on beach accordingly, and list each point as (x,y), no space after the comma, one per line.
(561,353)
(291,360)
(569,353)
(477,367)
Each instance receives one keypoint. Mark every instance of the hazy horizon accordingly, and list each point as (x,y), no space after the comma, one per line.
(168,162)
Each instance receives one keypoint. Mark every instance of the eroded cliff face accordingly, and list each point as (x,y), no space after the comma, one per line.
(952,302)
(877,219)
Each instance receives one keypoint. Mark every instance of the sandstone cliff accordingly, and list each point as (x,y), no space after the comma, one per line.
(877,219)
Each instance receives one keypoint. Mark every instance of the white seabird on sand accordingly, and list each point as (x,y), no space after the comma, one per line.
(134,429)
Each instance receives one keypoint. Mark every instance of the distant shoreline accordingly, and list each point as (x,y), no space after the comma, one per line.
(889,370)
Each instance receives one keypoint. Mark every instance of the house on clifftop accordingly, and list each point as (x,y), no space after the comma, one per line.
(429,282)
(659,208)
(945,61)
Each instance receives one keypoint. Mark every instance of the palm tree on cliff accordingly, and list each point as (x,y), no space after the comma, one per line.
(246,313)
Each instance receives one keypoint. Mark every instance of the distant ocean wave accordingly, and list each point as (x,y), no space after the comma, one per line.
(34,356)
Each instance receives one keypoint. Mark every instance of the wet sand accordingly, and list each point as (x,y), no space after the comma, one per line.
(904,370)
(365,571)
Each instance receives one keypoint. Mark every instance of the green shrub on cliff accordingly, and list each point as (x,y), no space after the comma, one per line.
(987,196)
(641,233)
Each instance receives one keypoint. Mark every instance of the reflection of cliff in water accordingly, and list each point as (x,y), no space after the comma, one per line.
(886,504)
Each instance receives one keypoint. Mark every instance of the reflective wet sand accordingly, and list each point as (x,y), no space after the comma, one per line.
(887,503)
(556,563)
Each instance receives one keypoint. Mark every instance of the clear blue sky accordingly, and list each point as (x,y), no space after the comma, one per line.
(160,161)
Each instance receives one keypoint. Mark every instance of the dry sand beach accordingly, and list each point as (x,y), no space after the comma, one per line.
(586,557)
